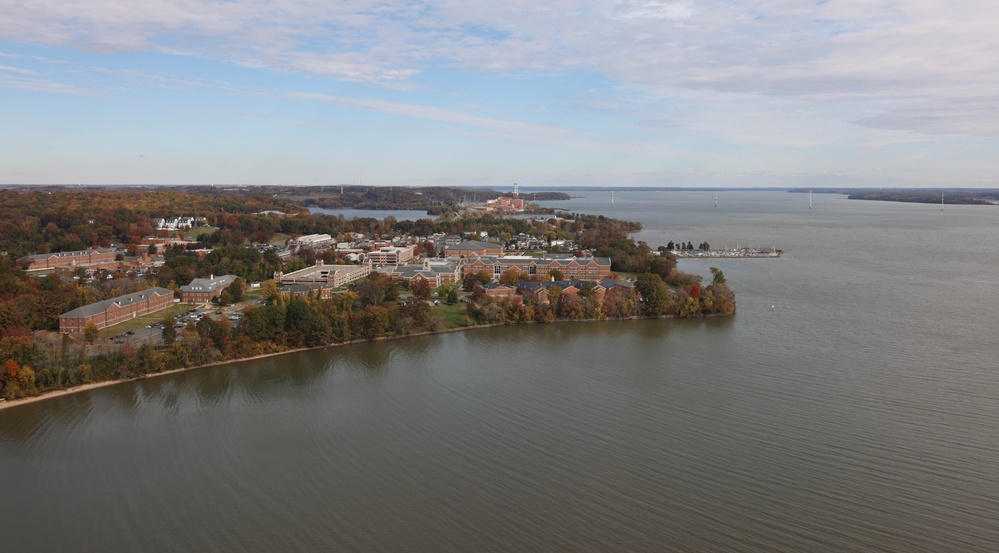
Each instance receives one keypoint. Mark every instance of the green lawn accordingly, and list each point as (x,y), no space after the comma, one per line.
(452,315)
(139,322)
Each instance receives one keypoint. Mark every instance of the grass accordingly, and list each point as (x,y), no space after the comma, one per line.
(452,315)
(139,322)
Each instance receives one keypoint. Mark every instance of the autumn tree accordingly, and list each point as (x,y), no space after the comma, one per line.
(420,288)
(718,277)
(169,331)
(90,331)
(655,296)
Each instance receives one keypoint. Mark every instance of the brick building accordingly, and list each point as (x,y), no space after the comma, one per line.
(115,310)
(472,248)
(80,258)
(434,272)
(588,268)
(204,290)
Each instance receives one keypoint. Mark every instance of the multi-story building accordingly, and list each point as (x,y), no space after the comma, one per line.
(320,274)
(80,258)
(308,290)
(506,203)
(390,255)
(503,292)
(472,248)
(314,241)
(115,310)
(434,272)
(178,223)
(571,267)
(204,290)
(538,291)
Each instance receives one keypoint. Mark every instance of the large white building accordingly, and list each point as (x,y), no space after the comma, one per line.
(321,274)
(390,255)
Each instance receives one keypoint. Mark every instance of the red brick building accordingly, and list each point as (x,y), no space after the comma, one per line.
(204,290)
(585,268)
(115,310)
(80,258)
(472,248)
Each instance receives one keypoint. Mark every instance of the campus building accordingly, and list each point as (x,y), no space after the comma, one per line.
(80,258)
(472,248)
(587,268)
(328,275)
(115,310)
(204,290)
(434,272)
(390,255)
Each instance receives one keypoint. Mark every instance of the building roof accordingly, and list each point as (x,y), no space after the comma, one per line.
(427,269)
(102,306)
(497,285)
(77,253)
(208,284)
(473,245)
(609,283)
(544,261)
(535,285)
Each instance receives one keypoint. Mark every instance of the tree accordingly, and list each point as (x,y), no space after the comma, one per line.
(90,331)
(556,274)
(420,287)
(448,291)
(169,332)
(654,294)
(513,277)
(269,289)
(375,289)
(483,277)
(235,290)
(374,321)
(718,276)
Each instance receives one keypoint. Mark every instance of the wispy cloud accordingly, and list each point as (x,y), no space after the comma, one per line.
(915,52)
(487,127)
(17,70)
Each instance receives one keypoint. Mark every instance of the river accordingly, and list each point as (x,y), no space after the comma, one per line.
(849,405)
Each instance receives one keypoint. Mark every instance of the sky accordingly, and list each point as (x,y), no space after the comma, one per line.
(827,93)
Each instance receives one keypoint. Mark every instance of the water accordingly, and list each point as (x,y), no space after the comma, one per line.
(850,405)
(399,214)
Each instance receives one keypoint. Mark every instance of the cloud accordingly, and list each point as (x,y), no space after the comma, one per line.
(17,70)
(487,127)
(886,63)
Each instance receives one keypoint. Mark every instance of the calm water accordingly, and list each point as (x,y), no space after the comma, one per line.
(399,214)
(850,405)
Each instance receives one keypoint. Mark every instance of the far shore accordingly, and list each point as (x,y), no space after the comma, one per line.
(4,404)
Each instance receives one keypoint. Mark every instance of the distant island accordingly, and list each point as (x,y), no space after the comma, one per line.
(952,196)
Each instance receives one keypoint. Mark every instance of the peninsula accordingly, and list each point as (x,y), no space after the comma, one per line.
(101,284)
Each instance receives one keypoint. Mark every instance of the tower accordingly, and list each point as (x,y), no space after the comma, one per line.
(516,189)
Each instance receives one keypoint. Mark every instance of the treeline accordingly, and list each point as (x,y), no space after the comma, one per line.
(656,301)
(372,309)
(42,221)
(431,198)
(953,197)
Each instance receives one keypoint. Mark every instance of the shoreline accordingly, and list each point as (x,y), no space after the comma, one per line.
(5,404)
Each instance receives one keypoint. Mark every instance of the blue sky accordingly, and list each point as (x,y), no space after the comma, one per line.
(459,92)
